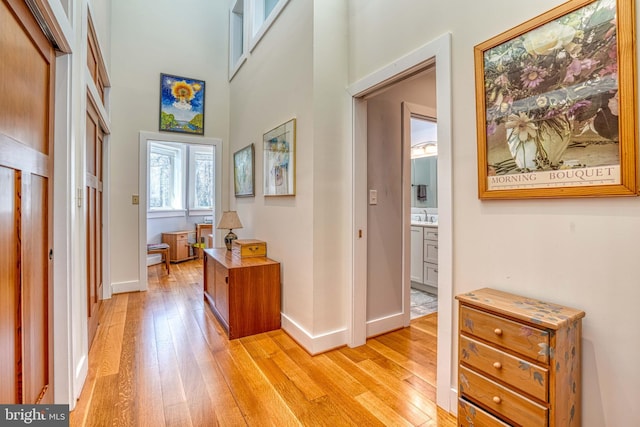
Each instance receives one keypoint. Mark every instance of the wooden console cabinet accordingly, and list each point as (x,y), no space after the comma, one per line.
(519,361)
(178,245)
(244,293)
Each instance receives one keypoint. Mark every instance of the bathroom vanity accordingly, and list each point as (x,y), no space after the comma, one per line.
(424,255)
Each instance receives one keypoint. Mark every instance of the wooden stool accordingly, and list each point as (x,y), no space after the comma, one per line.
(160,248)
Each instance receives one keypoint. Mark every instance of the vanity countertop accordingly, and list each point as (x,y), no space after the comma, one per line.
(424,224)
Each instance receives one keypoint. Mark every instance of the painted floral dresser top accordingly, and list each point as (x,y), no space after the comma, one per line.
(532,310)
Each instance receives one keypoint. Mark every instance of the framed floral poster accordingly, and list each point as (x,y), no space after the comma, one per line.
(243,172)
(279,150)
(556,105)
(181,104)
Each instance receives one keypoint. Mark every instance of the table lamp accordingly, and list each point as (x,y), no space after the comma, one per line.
(229,221)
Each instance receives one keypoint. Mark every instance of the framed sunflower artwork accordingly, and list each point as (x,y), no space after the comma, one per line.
(181,104)
(556,105)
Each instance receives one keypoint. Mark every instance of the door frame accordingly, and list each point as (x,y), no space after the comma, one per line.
(438,50)
(144,139)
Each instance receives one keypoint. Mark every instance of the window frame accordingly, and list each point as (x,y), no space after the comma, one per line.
(237,36)
(260,24)
(178,152)
(191,196)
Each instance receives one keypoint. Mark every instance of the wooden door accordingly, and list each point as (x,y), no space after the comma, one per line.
(93,197)
(27,72)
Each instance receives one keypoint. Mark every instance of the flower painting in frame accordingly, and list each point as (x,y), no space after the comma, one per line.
(279,146)
(181,104)
(243,172)
(556,105)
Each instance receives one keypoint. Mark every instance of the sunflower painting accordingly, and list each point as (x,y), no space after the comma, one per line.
(181,104)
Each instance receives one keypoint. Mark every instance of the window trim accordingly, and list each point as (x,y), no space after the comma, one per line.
(193,151)
(179,152)
(259,25)
(237,10)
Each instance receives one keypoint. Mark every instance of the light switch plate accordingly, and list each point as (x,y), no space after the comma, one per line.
(135,199)
(373,197)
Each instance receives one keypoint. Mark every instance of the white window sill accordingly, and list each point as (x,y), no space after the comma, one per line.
(200,212)
(166,214)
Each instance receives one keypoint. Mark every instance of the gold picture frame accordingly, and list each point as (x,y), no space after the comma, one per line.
(556,105)
(279,152)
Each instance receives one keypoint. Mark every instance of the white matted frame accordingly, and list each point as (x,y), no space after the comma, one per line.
(279,152)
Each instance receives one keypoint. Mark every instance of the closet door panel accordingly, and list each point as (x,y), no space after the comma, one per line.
(9,286)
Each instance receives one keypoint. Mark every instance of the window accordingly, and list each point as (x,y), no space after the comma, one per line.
(180,175)
(166,181)
(237,45)
(201,180)
(263,14)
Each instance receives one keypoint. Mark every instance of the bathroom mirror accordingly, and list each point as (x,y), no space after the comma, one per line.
(424,163)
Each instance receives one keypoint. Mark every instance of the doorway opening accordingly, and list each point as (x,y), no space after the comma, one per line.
(177,175)
(423,194)
(382,211)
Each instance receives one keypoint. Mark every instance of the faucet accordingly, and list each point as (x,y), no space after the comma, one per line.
(426,215)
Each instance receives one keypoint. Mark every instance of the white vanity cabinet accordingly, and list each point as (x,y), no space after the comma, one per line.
(417,242)
(430,252)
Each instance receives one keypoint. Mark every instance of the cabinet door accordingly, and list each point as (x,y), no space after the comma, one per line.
(182,247)
(221,292)
(416,254)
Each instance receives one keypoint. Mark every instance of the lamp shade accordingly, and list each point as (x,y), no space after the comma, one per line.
(229,220)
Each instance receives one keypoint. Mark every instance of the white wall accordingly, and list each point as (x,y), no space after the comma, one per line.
(580,253)
(273,86)
(299,70)
(151,37)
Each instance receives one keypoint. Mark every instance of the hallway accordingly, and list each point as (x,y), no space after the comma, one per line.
(160,358)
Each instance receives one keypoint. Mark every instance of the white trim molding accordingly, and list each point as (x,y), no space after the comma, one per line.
(314,344)
(438,51)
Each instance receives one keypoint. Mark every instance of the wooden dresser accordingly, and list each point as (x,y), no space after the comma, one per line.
(244,293)
(519,361)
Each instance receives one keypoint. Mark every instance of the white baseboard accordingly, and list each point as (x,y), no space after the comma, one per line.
(79,377)
(122,287)
(385,324)
(314,344)
(453,402)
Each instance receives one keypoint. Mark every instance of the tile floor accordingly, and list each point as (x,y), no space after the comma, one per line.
(422,303)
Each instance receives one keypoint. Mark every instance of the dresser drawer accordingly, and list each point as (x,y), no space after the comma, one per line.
(524,339)
(500,399)
(527,377)
(469,415)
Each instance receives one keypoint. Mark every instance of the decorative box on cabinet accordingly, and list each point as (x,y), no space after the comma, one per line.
(179,245)
(243,293)
(519,361)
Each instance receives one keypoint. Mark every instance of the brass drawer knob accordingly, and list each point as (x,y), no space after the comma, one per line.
(497,331)
(497,365)
(497,399)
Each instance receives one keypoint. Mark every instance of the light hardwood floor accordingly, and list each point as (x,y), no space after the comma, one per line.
(160,358)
